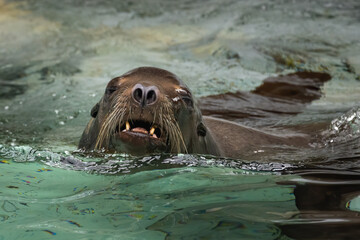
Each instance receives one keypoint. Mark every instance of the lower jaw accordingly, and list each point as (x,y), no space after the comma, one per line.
(137,145)
(136,150)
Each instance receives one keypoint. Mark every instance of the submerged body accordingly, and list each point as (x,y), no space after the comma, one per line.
(150,110)
(238,141)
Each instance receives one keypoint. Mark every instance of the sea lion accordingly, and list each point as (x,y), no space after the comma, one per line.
(150,110)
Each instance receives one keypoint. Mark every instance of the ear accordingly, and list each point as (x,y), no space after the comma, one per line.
(201,130)
(95,110)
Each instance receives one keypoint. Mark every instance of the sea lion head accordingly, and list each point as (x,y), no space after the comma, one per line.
(146,110)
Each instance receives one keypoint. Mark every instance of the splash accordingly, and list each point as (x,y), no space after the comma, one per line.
(345,128)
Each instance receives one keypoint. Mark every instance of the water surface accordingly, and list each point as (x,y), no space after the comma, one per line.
(56,58)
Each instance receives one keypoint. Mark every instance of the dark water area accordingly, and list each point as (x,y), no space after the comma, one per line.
(288,68)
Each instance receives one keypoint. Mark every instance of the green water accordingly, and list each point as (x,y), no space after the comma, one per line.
(78,205)
(55,60)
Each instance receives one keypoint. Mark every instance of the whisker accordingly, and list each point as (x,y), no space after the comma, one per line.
(112,120)
(163,116)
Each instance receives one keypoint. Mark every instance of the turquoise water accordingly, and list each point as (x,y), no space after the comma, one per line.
(56,58)
(70,204)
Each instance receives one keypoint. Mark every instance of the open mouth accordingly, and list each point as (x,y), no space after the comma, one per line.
(140,128)
(139,137)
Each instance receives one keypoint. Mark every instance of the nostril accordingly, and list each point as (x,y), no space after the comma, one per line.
(151,96)
(137,93)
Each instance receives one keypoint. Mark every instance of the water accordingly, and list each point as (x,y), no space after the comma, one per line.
(55,61)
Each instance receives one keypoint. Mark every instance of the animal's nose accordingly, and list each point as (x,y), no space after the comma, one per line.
(145,95)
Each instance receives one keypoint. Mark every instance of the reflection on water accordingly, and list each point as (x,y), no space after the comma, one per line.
(326,209)
(56,58)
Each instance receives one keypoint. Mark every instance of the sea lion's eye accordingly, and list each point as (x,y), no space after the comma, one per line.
(110,90)
(201,130)
(185,96)
(95,110)
(187,100)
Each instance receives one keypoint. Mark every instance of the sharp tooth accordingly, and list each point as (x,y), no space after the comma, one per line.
(152,130)
(127,126)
